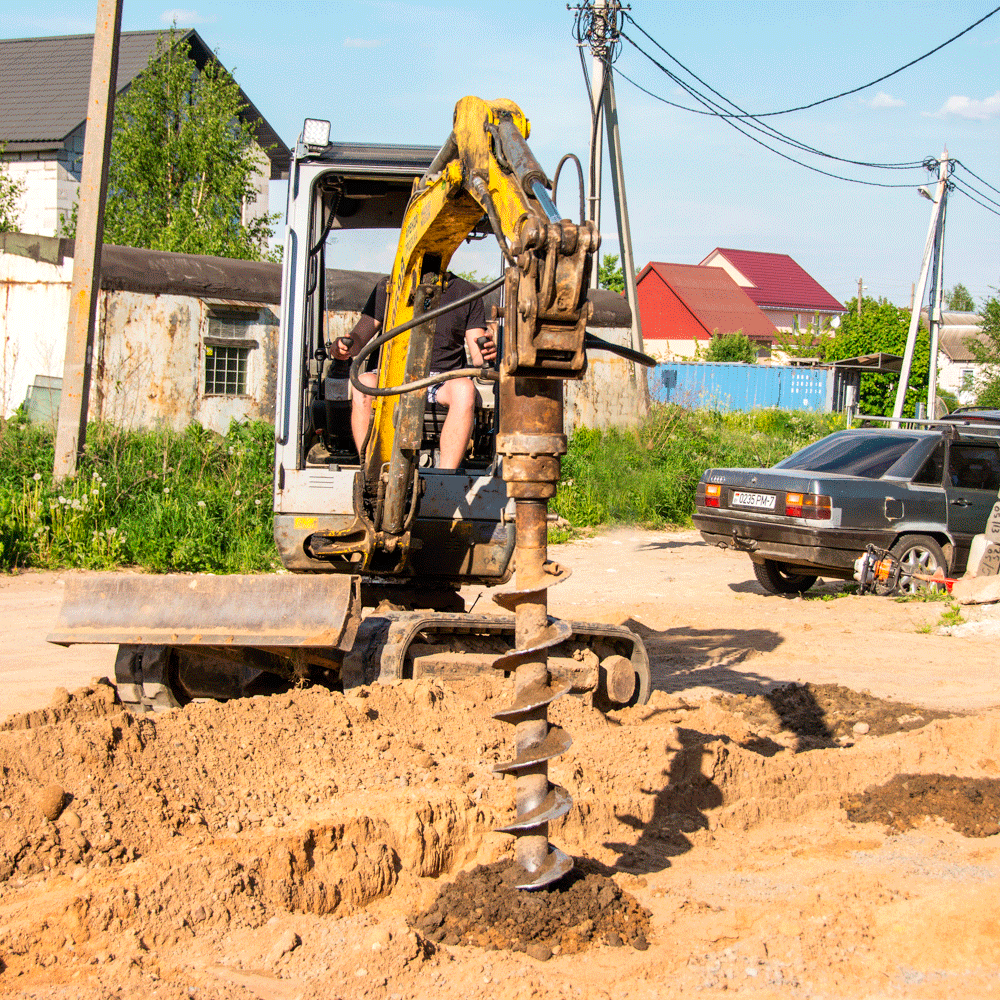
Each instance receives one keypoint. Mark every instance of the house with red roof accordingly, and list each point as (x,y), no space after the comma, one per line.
(787,294)
(683,305)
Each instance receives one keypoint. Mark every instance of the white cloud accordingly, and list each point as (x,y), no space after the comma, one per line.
(970,107)
(884,100)
(362,43)
(182,16)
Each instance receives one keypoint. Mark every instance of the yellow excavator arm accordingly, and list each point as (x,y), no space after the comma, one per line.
(485,169)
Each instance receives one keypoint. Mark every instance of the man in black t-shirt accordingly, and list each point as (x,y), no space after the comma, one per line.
(454,332)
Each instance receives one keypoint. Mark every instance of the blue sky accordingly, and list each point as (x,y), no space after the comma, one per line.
(392,71)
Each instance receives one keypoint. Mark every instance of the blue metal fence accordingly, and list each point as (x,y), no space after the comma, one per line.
(723,386)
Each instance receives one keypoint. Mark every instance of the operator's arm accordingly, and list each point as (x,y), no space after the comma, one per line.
(366,327)
(481,355)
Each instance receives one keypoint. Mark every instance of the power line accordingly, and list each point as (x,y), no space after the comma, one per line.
(770,132)
(978,178)
(969,188)
(763,127)
(977,201)
(825,100)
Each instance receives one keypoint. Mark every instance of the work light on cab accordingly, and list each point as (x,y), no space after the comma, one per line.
(813,506)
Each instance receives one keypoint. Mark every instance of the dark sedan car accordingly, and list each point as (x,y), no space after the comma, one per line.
(921,493)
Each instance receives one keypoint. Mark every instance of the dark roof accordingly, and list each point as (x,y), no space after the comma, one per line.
(45,84)
(713,299)
(778,282)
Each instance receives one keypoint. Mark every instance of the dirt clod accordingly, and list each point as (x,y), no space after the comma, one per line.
(483,908)
(970,805)
(51,801)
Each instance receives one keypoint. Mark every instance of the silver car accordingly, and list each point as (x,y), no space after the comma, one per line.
(921,493)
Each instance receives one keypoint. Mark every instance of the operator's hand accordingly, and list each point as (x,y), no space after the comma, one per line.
(341,348)
(487,347)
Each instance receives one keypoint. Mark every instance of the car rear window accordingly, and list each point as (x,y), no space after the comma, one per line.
(864,455)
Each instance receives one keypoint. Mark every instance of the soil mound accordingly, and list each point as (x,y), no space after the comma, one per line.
(482,908)
(826,714)
(971,805)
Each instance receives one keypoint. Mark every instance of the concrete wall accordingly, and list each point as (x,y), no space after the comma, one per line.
(34,311)
(612,393)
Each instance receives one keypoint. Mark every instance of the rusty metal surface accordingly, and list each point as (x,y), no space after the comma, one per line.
(239,610)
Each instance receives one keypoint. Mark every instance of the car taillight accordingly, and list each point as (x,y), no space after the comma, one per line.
(712,494)
(810,505)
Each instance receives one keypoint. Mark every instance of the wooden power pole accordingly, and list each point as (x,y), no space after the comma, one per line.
(72,428)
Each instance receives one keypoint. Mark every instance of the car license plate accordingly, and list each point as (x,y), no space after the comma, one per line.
(761,501)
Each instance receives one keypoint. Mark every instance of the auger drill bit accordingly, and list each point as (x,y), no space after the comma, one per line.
(531,470)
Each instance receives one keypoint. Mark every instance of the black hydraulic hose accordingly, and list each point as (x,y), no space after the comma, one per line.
(382,338)
(599,344)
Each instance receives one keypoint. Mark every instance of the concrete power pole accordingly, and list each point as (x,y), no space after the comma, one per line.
(72,429)
(602,36)
(935,238)
(860,287)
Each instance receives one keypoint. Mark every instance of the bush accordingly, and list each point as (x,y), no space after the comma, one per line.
(731,347)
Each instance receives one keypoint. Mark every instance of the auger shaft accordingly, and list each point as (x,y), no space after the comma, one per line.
(530,620)
(531,471)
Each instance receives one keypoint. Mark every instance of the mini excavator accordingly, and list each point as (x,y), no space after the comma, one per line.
(390,531)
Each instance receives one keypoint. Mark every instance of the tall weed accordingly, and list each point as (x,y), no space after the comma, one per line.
(157,499)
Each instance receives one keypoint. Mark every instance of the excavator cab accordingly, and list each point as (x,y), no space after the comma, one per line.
(460,532)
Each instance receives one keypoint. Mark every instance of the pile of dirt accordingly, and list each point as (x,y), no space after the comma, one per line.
(483,908)
(827,715)
(970,805)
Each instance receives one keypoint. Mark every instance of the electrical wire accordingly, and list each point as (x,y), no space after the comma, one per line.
(966,188)
(778,152)
(751,121)
(843,93)
(978,178)
(977,201)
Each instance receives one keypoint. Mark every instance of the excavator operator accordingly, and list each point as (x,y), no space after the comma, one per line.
(455,331)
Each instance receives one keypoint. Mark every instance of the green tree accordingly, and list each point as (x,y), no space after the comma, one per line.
(10,197)
(182,162)
(958,299)
(986,350)
(882,327)
(610,275)
(731,347)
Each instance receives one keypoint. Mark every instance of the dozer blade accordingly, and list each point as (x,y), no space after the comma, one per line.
(174,610)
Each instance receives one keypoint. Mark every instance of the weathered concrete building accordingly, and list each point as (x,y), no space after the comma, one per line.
(179,338)
(43,118)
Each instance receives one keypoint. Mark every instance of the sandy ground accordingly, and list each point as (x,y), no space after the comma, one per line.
(285,847)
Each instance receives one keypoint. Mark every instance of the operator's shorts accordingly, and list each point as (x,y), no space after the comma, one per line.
(432,390)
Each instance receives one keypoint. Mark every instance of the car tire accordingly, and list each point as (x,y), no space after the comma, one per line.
(777,578)
(921,553)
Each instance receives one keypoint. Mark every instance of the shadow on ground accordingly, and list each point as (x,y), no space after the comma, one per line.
(685,658)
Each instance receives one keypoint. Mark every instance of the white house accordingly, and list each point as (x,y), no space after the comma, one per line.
(958,370)
(43,117)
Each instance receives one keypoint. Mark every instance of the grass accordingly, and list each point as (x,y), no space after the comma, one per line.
(199,501)
(161,500)
(648,476)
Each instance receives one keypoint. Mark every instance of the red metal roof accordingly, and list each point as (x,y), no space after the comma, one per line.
(778,282)
(711,298)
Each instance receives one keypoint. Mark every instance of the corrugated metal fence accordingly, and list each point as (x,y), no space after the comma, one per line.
(723,386)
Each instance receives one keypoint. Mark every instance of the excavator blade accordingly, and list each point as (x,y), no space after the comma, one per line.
(175,610)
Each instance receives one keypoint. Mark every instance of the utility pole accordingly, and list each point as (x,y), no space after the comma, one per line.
(599,55)
(934,308)
(598,23)
(860,287)
(72,429)
(935,238)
